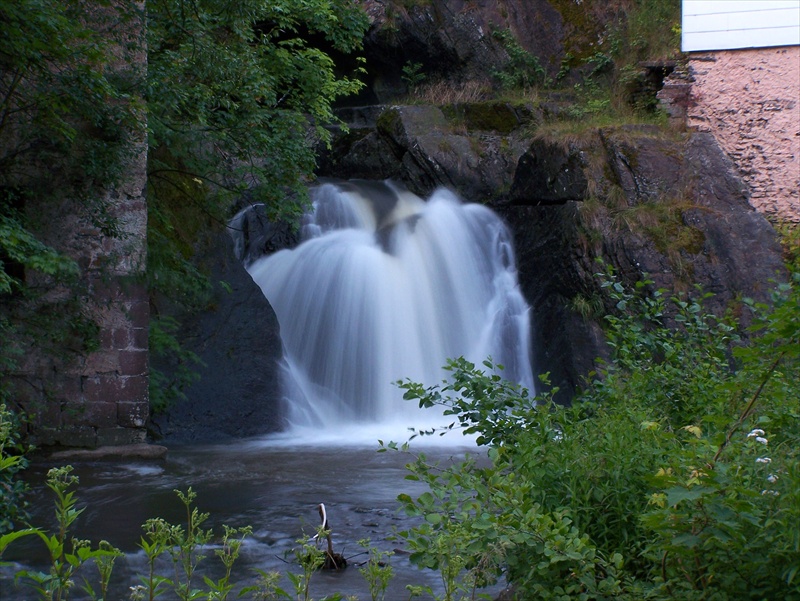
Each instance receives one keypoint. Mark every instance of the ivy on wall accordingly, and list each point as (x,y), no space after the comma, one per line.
(69,107)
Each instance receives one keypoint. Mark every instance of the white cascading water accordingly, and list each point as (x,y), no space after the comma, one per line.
(386,286)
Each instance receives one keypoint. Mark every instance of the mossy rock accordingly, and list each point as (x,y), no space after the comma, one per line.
(388,121)
(500,117)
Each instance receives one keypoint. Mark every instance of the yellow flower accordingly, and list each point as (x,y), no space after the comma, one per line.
(696,430)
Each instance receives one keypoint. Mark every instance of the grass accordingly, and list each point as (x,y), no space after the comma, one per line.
(441,93)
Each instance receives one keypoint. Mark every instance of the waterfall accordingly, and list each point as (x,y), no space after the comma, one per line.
(386,286)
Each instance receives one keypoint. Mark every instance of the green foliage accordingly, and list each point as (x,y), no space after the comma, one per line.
(12,462)
(607,62)
(523,69)
(593,100)
(18,246)
(234,90)
(482,523)
(167,389)
(377,571)
(413,75)
(67,555)
(311,559)
(63,105)
(184,545)
(67,110)
(673,476)
(651,31)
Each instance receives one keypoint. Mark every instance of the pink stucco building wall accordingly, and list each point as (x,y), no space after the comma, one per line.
(750,101)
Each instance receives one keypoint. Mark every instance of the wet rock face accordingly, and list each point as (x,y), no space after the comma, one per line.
(643,163)
(237,338)
(425,148)
(672,209)
(457,41)
(255,235)
(549,173)
(450,40)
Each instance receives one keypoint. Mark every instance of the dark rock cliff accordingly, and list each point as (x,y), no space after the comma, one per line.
(458,41)
(649,202)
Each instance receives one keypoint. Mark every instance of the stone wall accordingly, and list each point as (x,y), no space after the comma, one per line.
(750,101)
(88,386)
(112,404)
(80,399)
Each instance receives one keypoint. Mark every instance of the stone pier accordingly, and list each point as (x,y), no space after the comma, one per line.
(81,374)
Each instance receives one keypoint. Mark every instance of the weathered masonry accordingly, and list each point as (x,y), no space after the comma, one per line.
(88,399)
(743,86)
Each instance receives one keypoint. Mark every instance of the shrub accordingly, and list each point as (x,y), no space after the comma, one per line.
(12,462)
(674,475)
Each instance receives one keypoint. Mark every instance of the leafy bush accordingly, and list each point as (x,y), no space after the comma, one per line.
(523,70)
(12,462)
(674,475)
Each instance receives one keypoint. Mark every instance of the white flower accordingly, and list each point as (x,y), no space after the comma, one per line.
(137,592)
(761,439)
(772,478)
(774,493)
(763,460)
(756,432)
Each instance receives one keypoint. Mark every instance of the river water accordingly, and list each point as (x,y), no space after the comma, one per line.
(270,484)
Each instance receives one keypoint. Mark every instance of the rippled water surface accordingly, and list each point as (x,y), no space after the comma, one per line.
(271,485)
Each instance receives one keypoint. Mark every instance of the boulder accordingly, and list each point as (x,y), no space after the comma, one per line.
(666,207)
(237,338)
(426,147)
(549,173)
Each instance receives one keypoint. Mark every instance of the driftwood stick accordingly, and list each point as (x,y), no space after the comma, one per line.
(333,561)
(323,514)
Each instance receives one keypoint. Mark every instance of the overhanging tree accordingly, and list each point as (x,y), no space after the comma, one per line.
(237,95)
